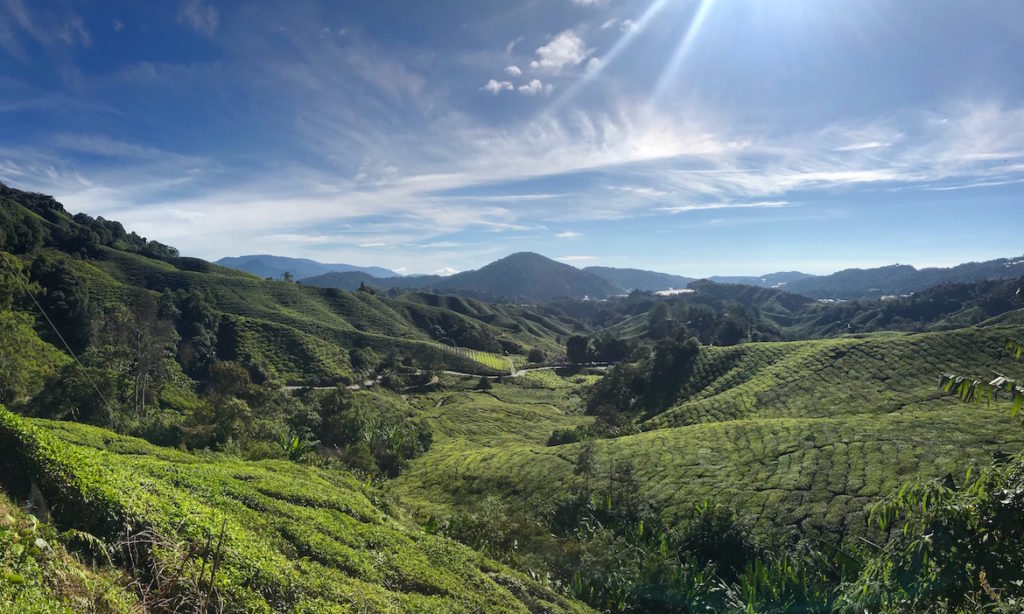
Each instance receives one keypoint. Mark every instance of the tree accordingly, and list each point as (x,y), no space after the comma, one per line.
(536,355)
(659,323)
(64,297)
(577,349)
(287,277)
(484,383)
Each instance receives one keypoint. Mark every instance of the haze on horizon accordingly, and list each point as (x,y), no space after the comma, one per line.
(694,137)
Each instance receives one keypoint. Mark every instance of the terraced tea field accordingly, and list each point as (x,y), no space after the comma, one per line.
(795,436)
(295,538)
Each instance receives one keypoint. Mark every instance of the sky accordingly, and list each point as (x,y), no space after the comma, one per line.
(694,137)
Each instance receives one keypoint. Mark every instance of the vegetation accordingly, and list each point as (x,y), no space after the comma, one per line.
(734,448)
(271,535)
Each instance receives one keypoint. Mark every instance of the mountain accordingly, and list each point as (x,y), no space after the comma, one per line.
(266,265)
(771,280)
(523,276)
(529,276)
(639,279)
(900,279)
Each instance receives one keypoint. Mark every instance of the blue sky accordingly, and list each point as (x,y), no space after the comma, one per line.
(693,137)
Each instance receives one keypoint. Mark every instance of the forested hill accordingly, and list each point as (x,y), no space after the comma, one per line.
(292,333)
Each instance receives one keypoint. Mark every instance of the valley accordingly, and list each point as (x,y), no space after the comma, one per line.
(291,447)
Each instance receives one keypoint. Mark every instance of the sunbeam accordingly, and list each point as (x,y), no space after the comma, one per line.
(671,70)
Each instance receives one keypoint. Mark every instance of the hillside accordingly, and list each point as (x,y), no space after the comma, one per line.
(638,279)
(798,437)
(271,536)
(266,265)
(286,331)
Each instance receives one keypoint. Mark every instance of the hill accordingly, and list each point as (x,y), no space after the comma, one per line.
(253,536)
(352,280)
(531,277)
(265,265)
(800,437)
(900,279)
(522,277)
(287,332)
(638,279)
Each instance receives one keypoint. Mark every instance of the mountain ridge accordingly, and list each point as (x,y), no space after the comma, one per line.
(268,265)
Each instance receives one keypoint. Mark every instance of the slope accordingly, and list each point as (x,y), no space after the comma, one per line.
(286,537)
(797,437)
(294,333)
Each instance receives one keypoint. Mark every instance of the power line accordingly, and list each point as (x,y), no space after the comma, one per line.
(85,372)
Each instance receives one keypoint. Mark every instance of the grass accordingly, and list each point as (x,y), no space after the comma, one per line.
(296,538)
(797,437)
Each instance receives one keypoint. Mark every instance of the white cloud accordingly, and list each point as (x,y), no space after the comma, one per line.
(593,65)
(770,204)
(534,87)
(576,258)
(200,17)
(446,271)
(628,25)
(118,25)
(495,87)
(565,49)
(73,31)
(568,234)
(513,71)
(587,2)
(611,22)
(512,45)
(373,244)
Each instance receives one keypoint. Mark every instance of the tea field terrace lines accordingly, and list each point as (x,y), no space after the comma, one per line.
(796,435)
(818,475)
(832,377)
(298,538)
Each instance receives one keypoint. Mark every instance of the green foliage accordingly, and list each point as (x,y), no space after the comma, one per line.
(39,575)
(64,297)
(954,546)
(295,538)
(26,361)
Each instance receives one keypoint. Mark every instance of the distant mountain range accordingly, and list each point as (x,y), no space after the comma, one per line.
(529,277)
(523,276)
(639,279)
(266,265)
(771,280)
(900,279)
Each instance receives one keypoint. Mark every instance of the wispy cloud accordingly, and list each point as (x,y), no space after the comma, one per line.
(203,18)
(576,258)
(770,204)
(568,234)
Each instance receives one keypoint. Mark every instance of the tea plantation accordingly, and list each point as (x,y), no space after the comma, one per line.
(256,536)
(797,437)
